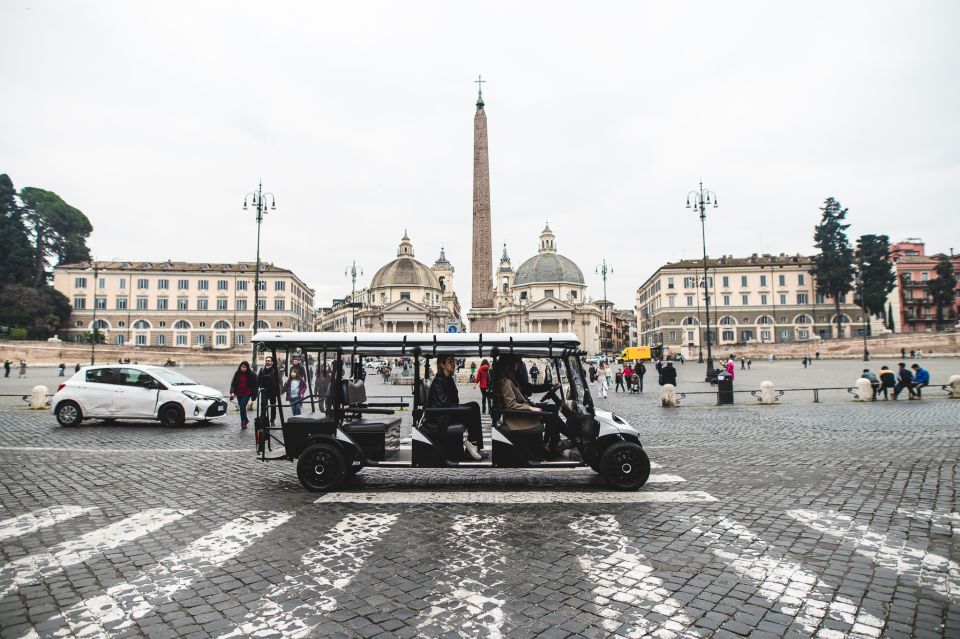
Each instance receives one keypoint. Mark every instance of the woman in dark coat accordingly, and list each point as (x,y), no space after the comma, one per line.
(243,386)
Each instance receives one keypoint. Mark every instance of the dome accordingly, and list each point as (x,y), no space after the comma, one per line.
(405,271)
(547,268)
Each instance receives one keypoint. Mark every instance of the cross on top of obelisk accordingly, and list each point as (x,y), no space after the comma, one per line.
(479,82)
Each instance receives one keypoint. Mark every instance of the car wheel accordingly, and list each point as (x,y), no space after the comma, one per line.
(69,414)
(625,466)
(171,415)
(321,468)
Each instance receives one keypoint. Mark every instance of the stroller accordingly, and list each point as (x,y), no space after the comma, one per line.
(634,386)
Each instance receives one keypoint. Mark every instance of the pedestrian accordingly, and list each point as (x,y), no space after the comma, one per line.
(887,381)
(874,383)
(6,367)
(668,375)
(322,385)
(729,368)
(659,366)
(639,370)
(297,366)
(76,368)
(743,363)
(804,361)
(681,358)
(627,376)
(818,354)
(603,384)
(609,374)
(904,380)
(268,389)
(921,378)
(547,374)
(483,382)
(592,372)
(23,369)
(913,353)
(295,387)
(534,372)
(749,363)
(242,387)
(61,369)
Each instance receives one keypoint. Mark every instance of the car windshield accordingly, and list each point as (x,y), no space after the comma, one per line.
(173,377)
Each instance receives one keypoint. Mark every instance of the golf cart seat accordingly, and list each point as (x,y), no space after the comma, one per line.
(451,437)
(371,426)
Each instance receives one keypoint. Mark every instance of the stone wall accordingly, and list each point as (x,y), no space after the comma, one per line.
(51,354)
(938,344)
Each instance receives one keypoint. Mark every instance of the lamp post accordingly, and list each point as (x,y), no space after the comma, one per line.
(93,334)
(259,200)
(603,269)
(699,199)
(700,284)
(863,305)
(353,271)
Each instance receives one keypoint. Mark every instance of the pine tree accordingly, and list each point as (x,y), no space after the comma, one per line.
(15,251)
(941,288)
(58,230)
(833,266)
(876,272)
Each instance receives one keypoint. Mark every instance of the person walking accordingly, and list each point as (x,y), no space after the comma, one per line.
(749,363)
(76,368)
(904,380)
(7,365)
(619,379)
(903,353)
(547,374)
(887,381)
(921,378)
(322,385)
(268,388)
(603,383)
(659,366)
(639,370)
(242,387)
(534,372)
(874,383)
(627,376)
(804,361)
(482,378)
(295,387)
(61,369)
(23,369)
(743,363)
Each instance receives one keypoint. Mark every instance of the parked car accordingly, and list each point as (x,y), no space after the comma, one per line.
(135,392)
(375,364)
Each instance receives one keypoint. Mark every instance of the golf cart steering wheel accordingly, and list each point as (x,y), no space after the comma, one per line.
(552,395)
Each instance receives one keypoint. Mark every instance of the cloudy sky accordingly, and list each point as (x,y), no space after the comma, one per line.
(156,119)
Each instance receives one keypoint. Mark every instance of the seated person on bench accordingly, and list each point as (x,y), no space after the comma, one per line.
(510,397)
(444,394)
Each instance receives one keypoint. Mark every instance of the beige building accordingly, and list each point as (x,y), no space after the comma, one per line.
(182,304)
(761,298)
(404,296)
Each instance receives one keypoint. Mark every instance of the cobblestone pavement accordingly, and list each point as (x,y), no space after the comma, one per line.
(830,520)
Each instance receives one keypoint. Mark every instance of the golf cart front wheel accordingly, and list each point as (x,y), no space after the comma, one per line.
(625,466)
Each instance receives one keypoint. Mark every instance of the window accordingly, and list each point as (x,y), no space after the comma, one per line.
(763,280)
(764,335)
(79,282)
(181,340)
(182,304)
(689,300)
(764,319)
(102,282)
(240,340)
(279,285)
(143,284)
(745,300)
(924,277)
(673,336)
(404,295)
(123,282)
(141,325)
(202,305)
(142,303)
(263,285)
(181,325)
(163,303)
(222,304)
(689,282)
(726,281)
(262,304)
(548,293)
(201,340)
(163,285)
(573,295)
(161,340)
(743,280)
(121,303)
(100,375)
(221,325)
(669,282)
(726,321)
(746,336)
(183,285)
(120,340)
(784,334)
(241,305)
(783,299)
(141,340)
(203,285)
(803,298)
(79,303)
(801,279)
(821,298)
(803,333)
(223,285)
(727,335)
(726,300)
(782,280)
(100,303)
(670,301)
(241,285)
(690,336)
(763,299)
(278,305)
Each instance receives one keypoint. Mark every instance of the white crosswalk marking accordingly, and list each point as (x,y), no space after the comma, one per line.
(475,559)
(33,521)
(783,581)
(332,564)
(932,570)
(75,551)
(515,497)
(621,575)
(124,603)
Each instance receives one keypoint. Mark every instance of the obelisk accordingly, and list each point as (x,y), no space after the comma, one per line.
(482,313)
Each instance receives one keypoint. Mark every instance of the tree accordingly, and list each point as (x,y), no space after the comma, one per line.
(833,266)
(41,311)
(941,288)
(876,272)
(16,255)
(58,230)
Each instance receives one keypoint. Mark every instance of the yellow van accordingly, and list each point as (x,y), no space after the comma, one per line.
(632,353)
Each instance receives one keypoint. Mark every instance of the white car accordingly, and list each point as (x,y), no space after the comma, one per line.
(374,364)
(125,391)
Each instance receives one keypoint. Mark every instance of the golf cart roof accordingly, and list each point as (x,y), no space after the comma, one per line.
(428,344)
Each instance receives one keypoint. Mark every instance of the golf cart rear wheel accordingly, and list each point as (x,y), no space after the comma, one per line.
(321,468)
(625,466)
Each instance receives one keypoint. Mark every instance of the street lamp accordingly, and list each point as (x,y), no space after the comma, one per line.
(866,317)
(700,284)
(259,200)
(94,333)
(603,269)
(353,271)
(699,200)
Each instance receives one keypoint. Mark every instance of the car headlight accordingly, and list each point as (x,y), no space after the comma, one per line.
(192,395)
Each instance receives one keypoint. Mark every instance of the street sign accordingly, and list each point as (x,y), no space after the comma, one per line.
(451,329)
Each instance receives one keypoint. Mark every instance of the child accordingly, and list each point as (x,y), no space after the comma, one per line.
(295,388)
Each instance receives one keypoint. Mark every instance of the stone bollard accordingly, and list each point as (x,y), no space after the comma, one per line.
(767,395)
(38,397)
(668,395)
(864,390)
(954,386)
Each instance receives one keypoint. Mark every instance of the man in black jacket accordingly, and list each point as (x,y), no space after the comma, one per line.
(268,387)
(444,394)
(904,380)
(668,375)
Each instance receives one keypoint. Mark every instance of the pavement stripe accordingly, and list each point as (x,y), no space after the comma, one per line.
(75,551)
(473,566)
(795,591)
(51,449)
(622,576)
(925,569)
(515,497)
(335,560)
(124,603)
(33,521)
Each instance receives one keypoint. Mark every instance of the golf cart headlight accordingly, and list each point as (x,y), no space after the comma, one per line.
(192,395)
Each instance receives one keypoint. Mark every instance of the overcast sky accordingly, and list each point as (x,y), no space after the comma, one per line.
(155,119)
